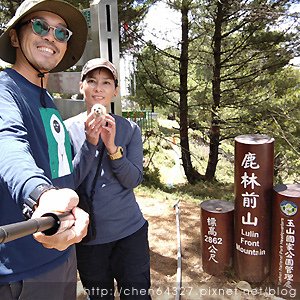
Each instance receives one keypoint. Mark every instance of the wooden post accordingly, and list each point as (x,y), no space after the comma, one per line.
(217,236)
(254,169)
(285,269)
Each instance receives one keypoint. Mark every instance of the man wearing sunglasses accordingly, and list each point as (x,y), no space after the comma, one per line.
(36,169)
(42,28)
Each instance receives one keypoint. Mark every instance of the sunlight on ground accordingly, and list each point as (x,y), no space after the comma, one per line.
(174,175)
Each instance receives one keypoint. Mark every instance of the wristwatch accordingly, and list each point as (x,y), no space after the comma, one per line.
(118,154)
(36,194)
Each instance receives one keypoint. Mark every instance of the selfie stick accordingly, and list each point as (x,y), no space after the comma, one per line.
(49,224)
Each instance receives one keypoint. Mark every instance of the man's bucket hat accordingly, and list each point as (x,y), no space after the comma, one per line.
(96,63)
(71,15)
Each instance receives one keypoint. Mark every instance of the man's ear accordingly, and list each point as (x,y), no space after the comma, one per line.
(14,40)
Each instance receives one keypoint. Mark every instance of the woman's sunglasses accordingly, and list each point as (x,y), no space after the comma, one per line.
(42,28)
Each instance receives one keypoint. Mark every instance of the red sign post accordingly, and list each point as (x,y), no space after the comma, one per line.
(217,236)
(285,268)
(254,169)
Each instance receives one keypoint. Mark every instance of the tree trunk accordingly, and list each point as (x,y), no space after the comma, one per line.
(214,139)
(214,135)
(191,174)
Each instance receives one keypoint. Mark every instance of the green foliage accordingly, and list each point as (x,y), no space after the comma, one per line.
(209,190)
(152,178)
(81,4)
(237,76)
(131,14)
(156,78)
(7,10)
(189,193)
(157,173)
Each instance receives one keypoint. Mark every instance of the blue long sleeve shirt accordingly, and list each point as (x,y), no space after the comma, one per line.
(117,214)
(34,149)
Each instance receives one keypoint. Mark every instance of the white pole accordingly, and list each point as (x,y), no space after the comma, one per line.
(179,258)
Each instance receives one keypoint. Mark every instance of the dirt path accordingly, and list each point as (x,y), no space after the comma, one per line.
(196,284)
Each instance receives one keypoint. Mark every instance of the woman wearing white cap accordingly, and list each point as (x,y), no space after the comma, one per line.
(119,250)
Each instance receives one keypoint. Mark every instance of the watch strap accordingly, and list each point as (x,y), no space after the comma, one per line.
(118,154)
(36,194)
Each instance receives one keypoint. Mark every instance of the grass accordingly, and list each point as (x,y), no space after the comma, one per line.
(190,193)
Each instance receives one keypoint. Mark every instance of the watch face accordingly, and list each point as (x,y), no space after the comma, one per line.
(39,188)
(118,154)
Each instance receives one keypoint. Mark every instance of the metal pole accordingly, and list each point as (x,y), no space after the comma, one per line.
(179,259)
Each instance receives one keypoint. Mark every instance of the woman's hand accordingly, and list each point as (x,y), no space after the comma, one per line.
(108,134)
(93,127)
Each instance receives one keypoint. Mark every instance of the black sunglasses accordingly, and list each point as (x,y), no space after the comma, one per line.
(42,28)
